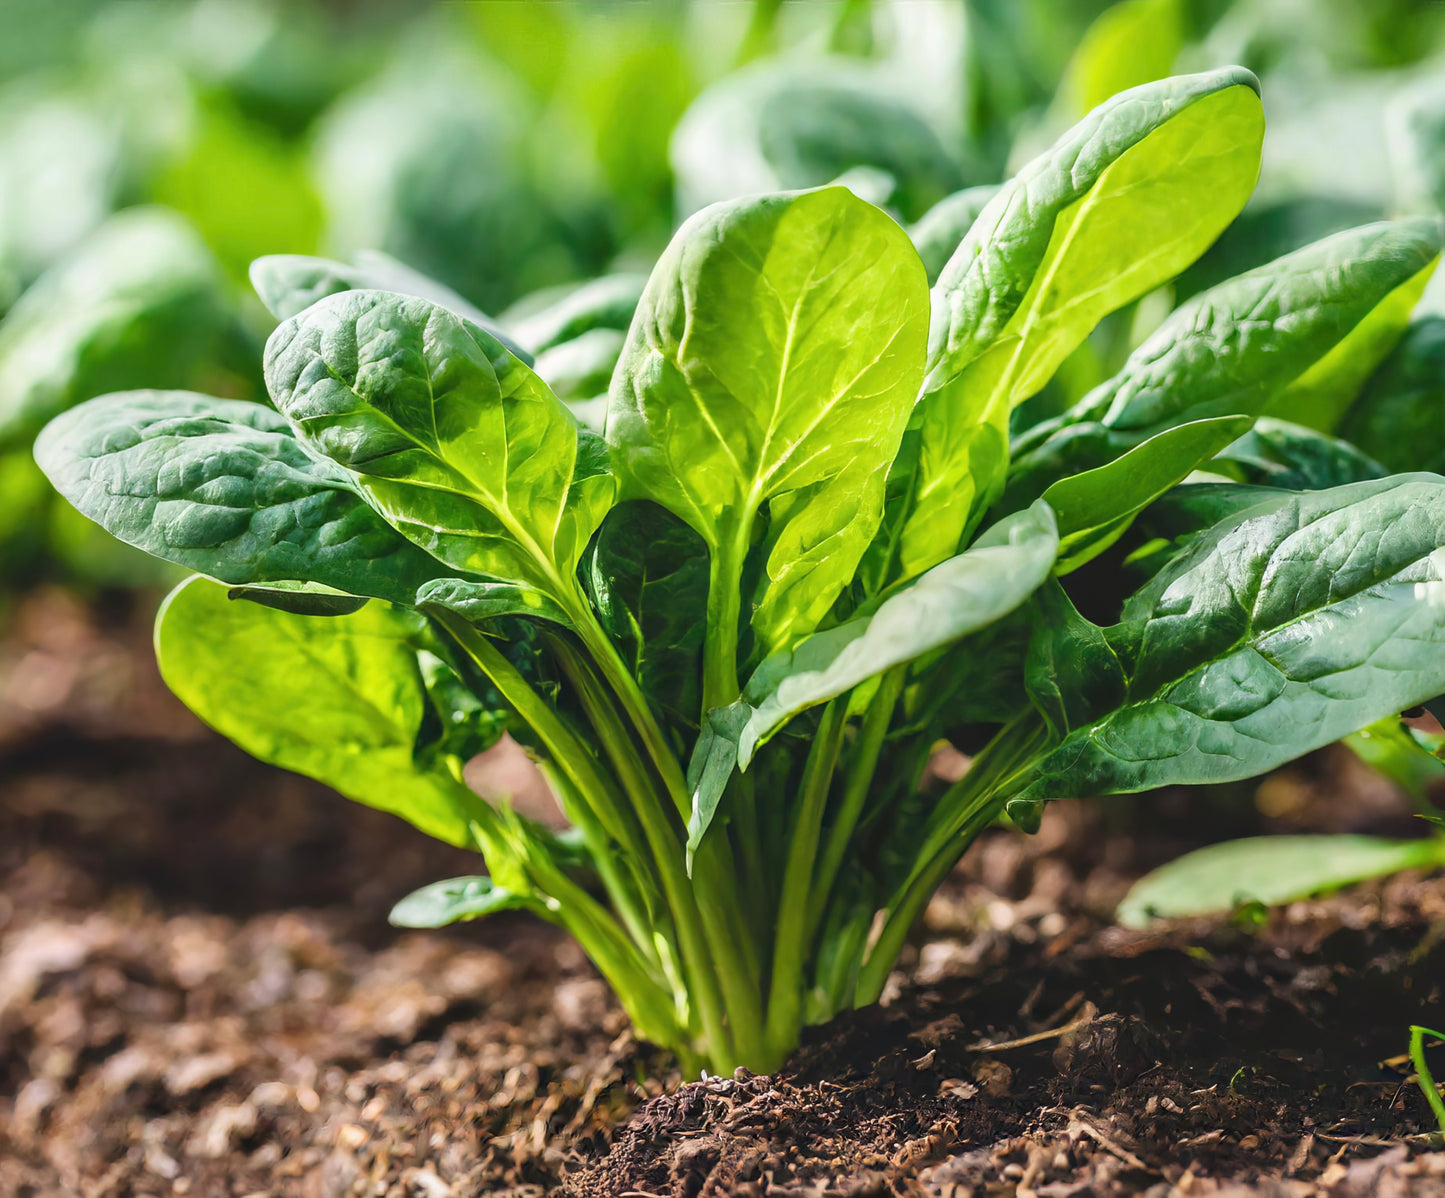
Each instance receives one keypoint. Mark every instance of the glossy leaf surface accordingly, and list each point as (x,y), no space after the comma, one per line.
(1280,630)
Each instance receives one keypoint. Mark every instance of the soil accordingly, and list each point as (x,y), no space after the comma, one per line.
(199,995)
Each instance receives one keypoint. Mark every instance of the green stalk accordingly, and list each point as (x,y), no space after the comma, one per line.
(785,995)
(969,806)
(857,784)
(697,958)
(1423,1074)
(724,614)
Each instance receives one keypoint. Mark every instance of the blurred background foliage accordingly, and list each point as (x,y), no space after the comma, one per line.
(512,150)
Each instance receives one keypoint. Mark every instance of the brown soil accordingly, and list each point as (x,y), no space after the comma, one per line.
(199,995)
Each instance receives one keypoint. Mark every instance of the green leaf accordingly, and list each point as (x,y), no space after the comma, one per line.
(790,123)
(479,600)
(543,322)
(222,486)
(340,700)
(1095,508)
(301,599)
(457,443)
(141,303)
(1389,747)
(1134,193)
(647,577)
(967,592)
(938,231)
(1396,419)
(1269,870)
(456,900)
(773,360)
(1230,350)
(1128,44)
(290,283)
(1071,669)
(1276,453)
(582,368)
(713,759)
(1282,629)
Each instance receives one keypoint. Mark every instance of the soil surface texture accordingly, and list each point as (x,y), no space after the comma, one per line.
(199,995)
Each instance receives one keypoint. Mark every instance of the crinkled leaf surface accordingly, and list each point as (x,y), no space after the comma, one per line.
(455,441)
(1276,453)
(1280,630)
(1135,192)
(1269,870)
(773,360)
(223,486)
(937,233)
(339,699)
(291,283)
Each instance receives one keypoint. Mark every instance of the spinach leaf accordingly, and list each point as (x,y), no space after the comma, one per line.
(970,591)
(1396,418)
(1281,629)
(1275,453)
(938,231)
(340,700)
(1095,508)
(456,900)
(1269,870)
(457,443)
(799,405)
(221,486)
(1236,348)
(647,577)
(290,283)
(1167,165)
(546,321)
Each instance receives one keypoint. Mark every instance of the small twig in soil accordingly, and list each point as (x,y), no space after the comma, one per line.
(1037,1038)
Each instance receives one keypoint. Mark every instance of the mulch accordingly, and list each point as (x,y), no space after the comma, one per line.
(199,995)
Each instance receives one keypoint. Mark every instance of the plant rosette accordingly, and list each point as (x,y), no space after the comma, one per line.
(808,549)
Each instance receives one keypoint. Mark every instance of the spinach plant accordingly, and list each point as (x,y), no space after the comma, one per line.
(733,628)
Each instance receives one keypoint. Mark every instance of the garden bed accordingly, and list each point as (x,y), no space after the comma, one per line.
(199,995)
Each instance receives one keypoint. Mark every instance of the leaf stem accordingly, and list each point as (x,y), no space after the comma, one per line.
(1423,1074)
(858,782)
(724,613)
(968,807)
(785,996)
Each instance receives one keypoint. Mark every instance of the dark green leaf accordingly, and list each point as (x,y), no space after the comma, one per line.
(1397,416)
(222,486)
(647,576)
(1072,671)
(1280,630)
